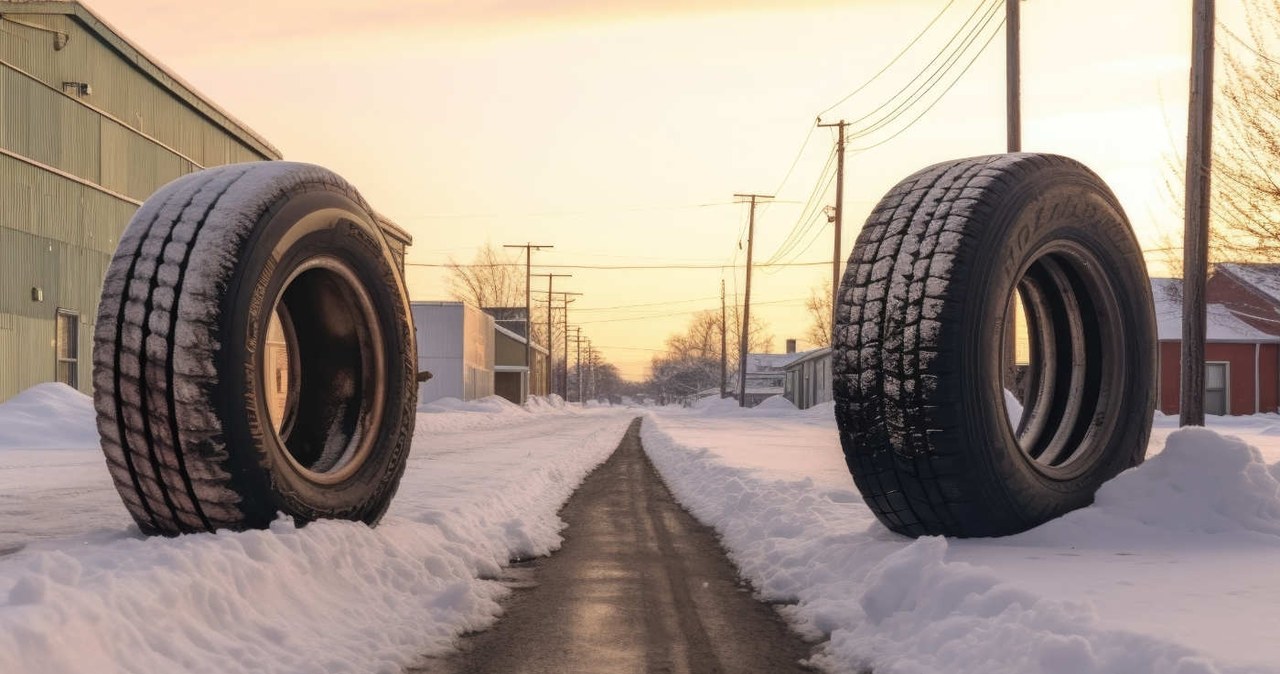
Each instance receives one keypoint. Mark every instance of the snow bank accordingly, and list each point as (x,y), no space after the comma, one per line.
(452,414)
(1201,483)
(48,416)
(329,597)
(893,605)
(775,403)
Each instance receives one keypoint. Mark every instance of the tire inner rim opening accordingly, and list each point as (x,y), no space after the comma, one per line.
(1063,361)
(323,370)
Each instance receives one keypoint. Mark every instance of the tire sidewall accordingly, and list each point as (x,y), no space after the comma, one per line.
(1053,206)
(306,222)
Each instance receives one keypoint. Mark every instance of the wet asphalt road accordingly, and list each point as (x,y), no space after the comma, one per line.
(639,586)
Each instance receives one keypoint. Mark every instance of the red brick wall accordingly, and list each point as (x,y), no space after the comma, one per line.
(1240,375)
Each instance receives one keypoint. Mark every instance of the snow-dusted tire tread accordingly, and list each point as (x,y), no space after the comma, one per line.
(917,454)
(157,339)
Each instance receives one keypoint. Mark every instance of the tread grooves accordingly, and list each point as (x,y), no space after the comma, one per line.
(169,369)
(117,392)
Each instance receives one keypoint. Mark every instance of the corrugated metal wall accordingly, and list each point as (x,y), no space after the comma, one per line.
(72,172)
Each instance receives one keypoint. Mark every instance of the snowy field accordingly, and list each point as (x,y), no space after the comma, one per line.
(1175,569)
(82,591)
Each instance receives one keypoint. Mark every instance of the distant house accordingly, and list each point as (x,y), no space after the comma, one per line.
(765,375)
(808,378)
(1242,341)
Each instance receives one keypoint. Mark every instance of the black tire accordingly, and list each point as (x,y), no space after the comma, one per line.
(184,407)
(918,348)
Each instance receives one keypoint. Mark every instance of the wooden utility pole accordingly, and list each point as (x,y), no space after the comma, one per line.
(1013,143)
(724,344)
(564,378)
(838,220)
(753,199)
(528,308)
(577,342)
(1195,251)
(550,340)
(1013,75)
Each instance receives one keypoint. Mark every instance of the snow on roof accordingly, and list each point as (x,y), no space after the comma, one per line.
(1222,325)
(1265,278)
(769,362)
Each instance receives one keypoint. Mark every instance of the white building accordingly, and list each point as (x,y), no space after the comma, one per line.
(456,345)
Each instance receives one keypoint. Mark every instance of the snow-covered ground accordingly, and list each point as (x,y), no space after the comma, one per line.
(1176,568)
(82,591)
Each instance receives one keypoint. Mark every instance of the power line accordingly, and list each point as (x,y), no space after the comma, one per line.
(895,59)
(928,68)
(651,304)
(940,96)
(620,267)
(804,221)
(935,77)
(556,214)
(683,313)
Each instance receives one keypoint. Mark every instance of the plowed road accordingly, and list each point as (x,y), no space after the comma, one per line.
(638,586)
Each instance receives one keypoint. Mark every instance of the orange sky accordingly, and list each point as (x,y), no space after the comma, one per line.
(606,129)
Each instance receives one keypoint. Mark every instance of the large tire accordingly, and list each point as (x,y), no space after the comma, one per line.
(919,346)
(194,437)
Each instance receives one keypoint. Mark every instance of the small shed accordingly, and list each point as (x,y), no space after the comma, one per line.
(513,379)
(456,345)
(808,378)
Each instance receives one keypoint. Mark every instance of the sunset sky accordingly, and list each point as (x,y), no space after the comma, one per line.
(619,131)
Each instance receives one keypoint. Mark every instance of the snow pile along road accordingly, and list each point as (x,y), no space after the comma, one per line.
(332,596)
(1172,571)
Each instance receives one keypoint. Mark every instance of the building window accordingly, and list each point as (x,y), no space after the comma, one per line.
(1215,388)
(67,348)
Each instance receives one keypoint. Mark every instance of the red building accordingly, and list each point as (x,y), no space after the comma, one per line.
(1242,350)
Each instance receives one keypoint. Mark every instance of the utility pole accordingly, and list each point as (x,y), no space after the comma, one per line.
(528,308)
(1013,75)
(753,199)
(724,345)
(1195,250)
(838,219)
(1013,143)
(577,341)
(564,377)
(550,337)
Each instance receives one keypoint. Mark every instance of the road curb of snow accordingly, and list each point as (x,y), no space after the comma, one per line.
(332,596)
(887,603)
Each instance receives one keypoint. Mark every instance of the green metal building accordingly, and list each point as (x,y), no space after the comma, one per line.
(90,126)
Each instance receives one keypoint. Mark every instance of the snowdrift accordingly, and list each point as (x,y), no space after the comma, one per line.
(893,605)
(48,416)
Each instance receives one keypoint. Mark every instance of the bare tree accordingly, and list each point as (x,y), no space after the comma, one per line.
(1245,212)
(819,307)
(692,361)
(491,279)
